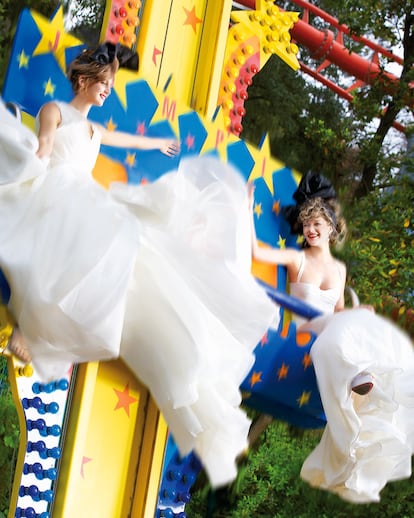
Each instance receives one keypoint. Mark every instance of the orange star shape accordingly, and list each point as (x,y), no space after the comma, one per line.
(306,361)
(282,372)
(276,207)
(130,159)
(255,378)
(192,18)
(124,399)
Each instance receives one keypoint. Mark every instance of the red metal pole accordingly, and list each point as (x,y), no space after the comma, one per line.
(322,45)
(343,28)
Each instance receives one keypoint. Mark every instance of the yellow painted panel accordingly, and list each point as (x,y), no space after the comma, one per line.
(151,38)
(169,43)
(150,463)
(211,57)
(102,449)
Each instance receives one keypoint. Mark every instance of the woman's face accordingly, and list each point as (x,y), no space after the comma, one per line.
(317,231)
(97,92)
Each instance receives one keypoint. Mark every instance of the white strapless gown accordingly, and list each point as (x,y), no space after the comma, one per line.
(158,274)
(368,440)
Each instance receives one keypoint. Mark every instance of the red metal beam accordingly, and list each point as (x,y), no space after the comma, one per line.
(323,45)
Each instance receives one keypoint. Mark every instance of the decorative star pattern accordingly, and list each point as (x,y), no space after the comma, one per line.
(304,398)
(255,378)
(54,38)
(23,59)
(283,371)
(191,18)
(125,400)
(264,164)
(130,159)
(49,88)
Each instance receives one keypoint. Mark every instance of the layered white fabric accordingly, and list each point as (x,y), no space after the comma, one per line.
(368,440)
(158,274)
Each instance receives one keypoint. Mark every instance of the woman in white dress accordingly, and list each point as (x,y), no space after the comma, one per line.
(158,274)
(364,364)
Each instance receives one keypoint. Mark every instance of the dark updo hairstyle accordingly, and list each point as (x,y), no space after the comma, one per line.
(330,211)
(93,70)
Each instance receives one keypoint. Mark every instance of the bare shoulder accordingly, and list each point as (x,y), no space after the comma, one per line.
(341,267)
(50,111)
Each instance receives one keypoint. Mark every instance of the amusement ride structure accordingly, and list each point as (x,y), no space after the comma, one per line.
(94,442)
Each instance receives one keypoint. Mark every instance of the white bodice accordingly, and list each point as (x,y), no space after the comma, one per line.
(324,300)
(77,142)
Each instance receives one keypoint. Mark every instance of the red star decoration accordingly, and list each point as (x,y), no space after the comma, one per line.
(264,340)
(124,399)
(189,141)
(85,460)
(141,128)
(192,18)
(255,378)
(156,52)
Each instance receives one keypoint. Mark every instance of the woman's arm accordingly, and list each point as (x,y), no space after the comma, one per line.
(289,257)
(340,305)
(167,146)
(49,119)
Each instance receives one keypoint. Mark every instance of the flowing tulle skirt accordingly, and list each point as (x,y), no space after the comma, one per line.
(368,440)
(158,274)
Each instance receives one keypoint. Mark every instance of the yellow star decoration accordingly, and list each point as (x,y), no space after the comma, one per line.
(255,378)
(258,209)
(304,398)
(23,59)
(272,28)
(54,38)
(49,88)
(281,242)
(264,164)
(282,372)
(306,361)
(130,159)
(110,125)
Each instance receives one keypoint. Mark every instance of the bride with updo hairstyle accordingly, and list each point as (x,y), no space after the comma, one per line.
(330,210)
(364,364)
(153,273)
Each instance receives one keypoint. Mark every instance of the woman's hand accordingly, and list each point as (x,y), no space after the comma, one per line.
(170,147)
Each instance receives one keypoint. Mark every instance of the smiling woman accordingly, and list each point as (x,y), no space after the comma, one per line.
(364,364)
(158,273)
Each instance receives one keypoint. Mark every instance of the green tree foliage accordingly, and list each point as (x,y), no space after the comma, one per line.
(84,19)
(269,486)
(380,250)
(391,23)
(9,439)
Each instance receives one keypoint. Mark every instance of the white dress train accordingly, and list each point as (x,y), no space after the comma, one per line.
(158,274)
(368,440)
